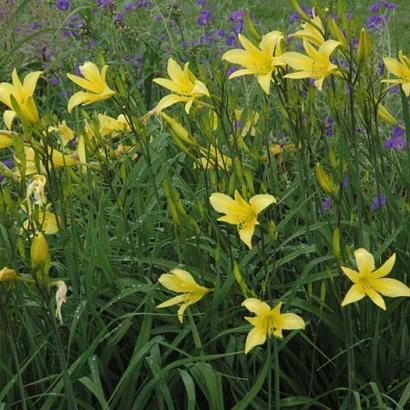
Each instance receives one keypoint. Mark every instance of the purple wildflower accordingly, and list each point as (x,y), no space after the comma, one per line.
(130,6)
(237,15)
(203,18)
(326,204)
(345,183)
(104,3)
(230,41)
(375,7)
(119,17)
(375,23)
(35,26)
(395,89)
(389,5)
(231,70)
(397,132)
(54,81)
(9,164)
(329,129)
(200,3)
(378,201)
(63,5)
(396,143)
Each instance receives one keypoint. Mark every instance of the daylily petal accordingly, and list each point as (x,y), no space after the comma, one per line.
(256,306)
(298,75)
(82,82)
(248,46)
(354,294)
(264,81)
(173,301)
(233,219)
(185,278)
(351,274)
(364,261)
(181,311)
(393,66)
(270,43)
(246,233)
(170,85)
(241,72)
(30,81)
(291,321)
(91,72)
(255,338)
(262,201)
(200,88)
(297,61)
(376,298)
(240,57)
(385,269)
(170,282)
(8,117)
(223,203)
(328,47)
(169,100)
(319,83)
(78,98)
(391,287)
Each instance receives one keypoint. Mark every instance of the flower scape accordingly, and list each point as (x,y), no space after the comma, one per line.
(205,205)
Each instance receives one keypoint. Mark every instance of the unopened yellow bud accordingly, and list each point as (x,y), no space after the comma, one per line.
(181,132)
(364,46)
(325,180)
(385,115)
(337,33)
(7,275)
(39,251)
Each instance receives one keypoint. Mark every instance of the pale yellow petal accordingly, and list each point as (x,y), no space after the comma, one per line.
(364,260)
(30,81)
(264,81)
(169,100)
(173,301)
(181,311)
(291,321)
(170,282)
(91,72)
(354,294)
(185,278)
(239,73)
(246,233)
(393,66)
(200,88)
(255,338)
(391,287)
(328,47)
(170,85)
(351,274)
(298,61)
(385,269)
(262,201)
(223,203)
(376,298)
(256,306)
(270,43)
(77,99)
(8,117)
(239,57)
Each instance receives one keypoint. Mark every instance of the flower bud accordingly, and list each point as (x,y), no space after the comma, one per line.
(7,275)
(178,129)
(39,251)
(364,46)
(385,115)
(325,180)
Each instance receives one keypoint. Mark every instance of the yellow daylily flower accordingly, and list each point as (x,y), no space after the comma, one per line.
(6,138)
(7,274)
(93,82)
(47,223)
(109,126)
(241,213)
(23,94)
(268,322)
(184,85)
(58,160)
(401,69)
(316,64)
(261,62)
(312,31)
(371,282)
(65,132)
(181,281)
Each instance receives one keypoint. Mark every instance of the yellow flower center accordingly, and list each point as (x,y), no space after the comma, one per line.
(246,219)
